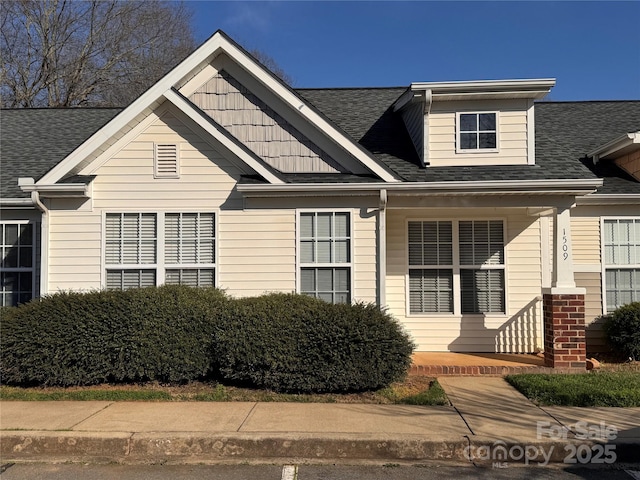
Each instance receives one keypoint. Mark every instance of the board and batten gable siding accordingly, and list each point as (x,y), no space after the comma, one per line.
(518,331)
(512,133)
(260,128)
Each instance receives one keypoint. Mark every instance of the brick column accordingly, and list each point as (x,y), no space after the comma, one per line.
(564,330)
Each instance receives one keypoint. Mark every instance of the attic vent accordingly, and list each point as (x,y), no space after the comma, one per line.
(166,160)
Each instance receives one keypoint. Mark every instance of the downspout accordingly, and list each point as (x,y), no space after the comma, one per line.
(382,253)
(44,243)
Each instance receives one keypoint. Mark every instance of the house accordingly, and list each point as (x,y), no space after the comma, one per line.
(484,219)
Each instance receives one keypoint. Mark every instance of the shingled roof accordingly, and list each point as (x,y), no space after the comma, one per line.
(34,140)
(565,132)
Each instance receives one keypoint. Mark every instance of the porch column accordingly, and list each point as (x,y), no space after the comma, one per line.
(563,303)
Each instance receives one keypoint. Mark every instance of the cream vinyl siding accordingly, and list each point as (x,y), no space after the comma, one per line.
(512,133)
(585,236)
(517,331)
(591,281)
(256,243)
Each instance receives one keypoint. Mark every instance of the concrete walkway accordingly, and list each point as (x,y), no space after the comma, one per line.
(485,412)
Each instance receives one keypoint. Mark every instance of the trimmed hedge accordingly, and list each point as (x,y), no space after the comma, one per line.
(145,334)
(296,343)
(176,334)
(622,328)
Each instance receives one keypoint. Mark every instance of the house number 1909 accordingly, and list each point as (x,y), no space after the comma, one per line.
(565,245)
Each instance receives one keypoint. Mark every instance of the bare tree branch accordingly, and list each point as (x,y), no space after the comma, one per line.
(88,53)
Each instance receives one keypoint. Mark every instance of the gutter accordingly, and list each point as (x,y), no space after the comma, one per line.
(513,187)
(612,199)
(16,202)
(60,190)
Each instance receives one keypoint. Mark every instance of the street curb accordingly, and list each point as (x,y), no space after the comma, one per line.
(189,447)
(176,447)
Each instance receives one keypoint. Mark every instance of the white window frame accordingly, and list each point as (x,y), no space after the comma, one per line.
(160,266)
(191,266)
(477,150)
(156,170)
(603,261)
(301,265)
(31,269)
(456,268)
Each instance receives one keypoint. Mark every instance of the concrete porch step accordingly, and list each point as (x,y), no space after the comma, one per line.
(493,364)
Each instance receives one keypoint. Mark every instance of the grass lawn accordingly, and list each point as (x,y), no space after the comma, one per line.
(594,389)
(414,390)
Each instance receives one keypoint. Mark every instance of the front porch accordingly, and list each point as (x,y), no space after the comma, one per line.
(448,363)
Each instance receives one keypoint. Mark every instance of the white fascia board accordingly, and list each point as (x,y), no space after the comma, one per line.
(612,199)
(615,145)
(514,187)
(194,114)
(206,51)
(532,84)
(303,109)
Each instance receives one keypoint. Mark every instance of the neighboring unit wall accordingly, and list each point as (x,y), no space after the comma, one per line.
(586,236)
(518,331)
(512,133)
(630,163)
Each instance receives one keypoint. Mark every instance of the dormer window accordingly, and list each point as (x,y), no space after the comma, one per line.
(477,132)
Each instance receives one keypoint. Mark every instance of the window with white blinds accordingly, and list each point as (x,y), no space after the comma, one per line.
(166,160)
(430,267)
(442,254)
(325,255)
(482,266)
(189,249)
(140,253)
(621,256)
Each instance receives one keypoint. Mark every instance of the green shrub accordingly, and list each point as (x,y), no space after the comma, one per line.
(295,343)
(622,328)
(71,338)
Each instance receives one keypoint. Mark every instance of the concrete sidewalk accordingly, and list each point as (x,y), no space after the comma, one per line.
(485,412)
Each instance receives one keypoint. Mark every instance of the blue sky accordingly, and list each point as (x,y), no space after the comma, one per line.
(591,48)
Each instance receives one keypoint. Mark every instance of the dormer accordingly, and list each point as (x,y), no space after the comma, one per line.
(485,122)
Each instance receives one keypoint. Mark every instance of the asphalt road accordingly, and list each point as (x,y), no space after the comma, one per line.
(41,471)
